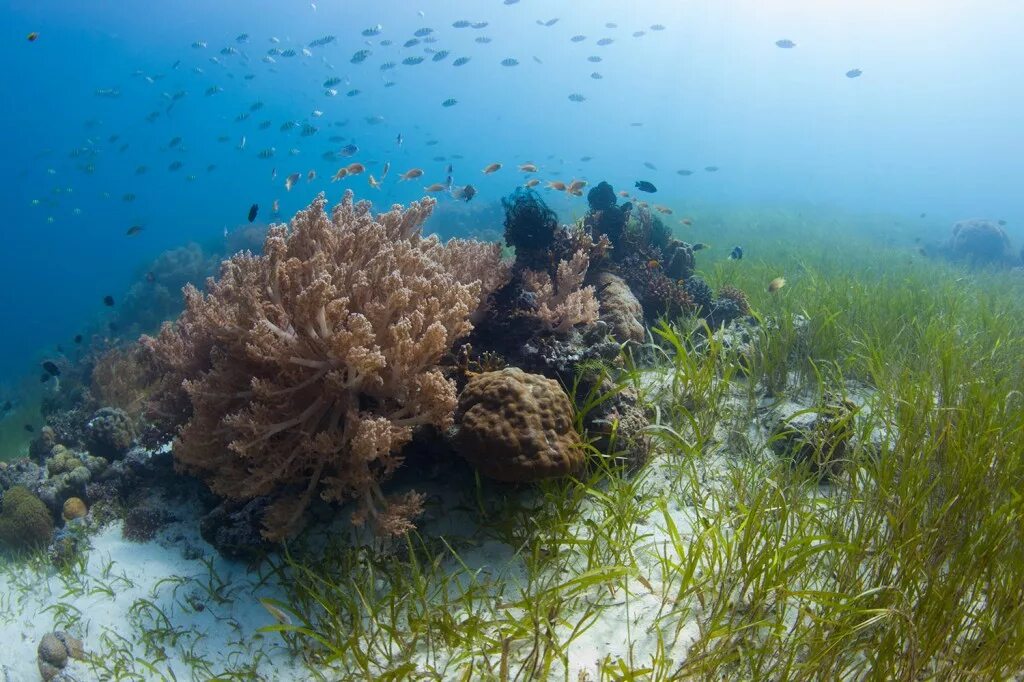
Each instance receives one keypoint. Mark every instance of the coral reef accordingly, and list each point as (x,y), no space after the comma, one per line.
(659,294)
(562,302)
(67,474)
(25,522)
(530,228)
(517,427)
(737,296)
(111,432)
(979,242)
(700,293)
(124,377)
(156,296)
(605,217)
(61,461)
(233,528)
(74,508)
(42,446)
(305,369)
(144,521)
(679,259)
(619,308)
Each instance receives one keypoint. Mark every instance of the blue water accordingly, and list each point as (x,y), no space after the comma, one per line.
(933,125)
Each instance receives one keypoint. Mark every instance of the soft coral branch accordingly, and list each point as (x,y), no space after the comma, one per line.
(306,368)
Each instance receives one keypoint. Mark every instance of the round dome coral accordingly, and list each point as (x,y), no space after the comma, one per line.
(517,427)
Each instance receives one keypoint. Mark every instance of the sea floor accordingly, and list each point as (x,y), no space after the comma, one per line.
(173,608)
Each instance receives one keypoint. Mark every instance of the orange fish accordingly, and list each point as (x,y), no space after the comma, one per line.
(575,186)
(373,182)
(624,195)
(527,168)
(776,284)
(663,209)
(340,175)
(556,185)
(653,264)
(411,174)
(493,168)
(355,168)
(531,183)
(687,221)
(436,187)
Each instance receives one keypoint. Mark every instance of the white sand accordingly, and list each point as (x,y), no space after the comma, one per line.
(217,630)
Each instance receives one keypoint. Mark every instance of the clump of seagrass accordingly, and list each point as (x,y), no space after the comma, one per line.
(306,368)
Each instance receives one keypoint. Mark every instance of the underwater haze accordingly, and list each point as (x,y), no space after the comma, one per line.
(650,340)
(133,114)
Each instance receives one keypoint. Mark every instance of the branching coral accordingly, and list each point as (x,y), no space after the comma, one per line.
(562,301)
(307,367)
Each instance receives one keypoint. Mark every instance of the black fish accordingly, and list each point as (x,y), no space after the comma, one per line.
(134,230)
(645,186)
(465,193)
(78,338)
(30,428)
(51,367)
(253,210)
(108,301)
(737,253)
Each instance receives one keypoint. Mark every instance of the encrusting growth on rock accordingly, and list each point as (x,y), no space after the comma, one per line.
(307,368)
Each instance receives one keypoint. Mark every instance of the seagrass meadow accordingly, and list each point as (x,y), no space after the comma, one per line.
(718,559)
(723,554)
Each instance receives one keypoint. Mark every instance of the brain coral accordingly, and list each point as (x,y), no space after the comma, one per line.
(25,521)
(74,508)
(517,427)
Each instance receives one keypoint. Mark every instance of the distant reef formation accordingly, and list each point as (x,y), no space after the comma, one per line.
(979,242)
(313,372)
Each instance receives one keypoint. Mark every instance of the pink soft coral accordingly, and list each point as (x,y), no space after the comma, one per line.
(308,367)
(563,302)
